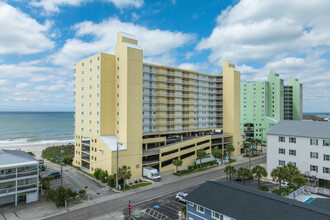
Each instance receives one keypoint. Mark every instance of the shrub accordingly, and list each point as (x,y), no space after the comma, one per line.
(103,175)
(68,160)
(264,188)
(136,181)
(140,180)
(97,173)
(82,193)
(130,183)
(112,181)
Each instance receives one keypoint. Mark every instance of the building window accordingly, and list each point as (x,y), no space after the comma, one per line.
(90,61)
(314,155)
(82,64)
(117,104)
(118,59)
(281,139)
(98,86)
(98,58)
(98,122)
(90,87)
(117,86)
(97,113)
(117,67)
(292,140)
(314,168)
(98,76)
(281,151)
(97,131)
(98,95)
(326,157)
(82,88)
(82,72)
(191,204)
(292,152)
(117,131)
(281,162)
(215,215)
(82,129)
(137,166)
(326,170)
(98,67)
(326,142)
(117,95)
(118,77)
(90,130)
(314,141)
(200,209)
(98,104)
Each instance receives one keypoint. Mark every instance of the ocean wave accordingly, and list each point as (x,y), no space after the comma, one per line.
(27,142)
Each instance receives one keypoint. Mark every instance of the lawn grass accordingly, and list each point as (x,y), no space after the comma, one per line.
(50,153)
(194,171)
(136,186)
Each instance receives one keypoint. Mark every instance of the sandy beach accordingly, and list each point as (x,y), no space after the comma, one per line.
(36,148)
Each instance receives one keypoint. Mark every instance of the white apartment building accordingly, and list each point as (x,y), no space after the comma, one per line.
(306,144)
(19,177)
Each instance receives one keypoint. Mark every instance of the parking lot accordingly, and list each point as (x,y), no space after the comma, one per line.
(164,208)
(76,180)
(167,207)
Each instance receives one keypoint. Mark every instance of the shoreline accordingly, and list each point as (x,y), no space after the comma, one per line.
(36,148)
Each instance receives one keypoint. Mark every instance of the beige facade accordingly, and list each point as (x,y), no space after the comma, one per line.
(157,113)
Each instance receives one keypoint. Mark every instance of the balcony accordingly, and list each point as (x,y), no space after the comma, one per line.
(7,190)
(85,158)
(86,149)
(7,176)
(24,187)
(29,173)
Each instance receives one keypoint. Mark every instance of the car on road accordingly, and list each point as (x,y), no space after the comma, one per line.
(54,174)
(180,197)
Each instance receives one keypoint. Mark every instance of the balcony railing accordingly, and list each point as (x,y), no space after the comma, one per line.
(7,176)
(29,173)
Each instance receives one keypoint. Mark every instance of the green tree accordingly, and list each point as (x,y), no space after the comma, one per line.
(299,181)
(229,171)
(124,173)
(244,173)
(292,172)
(177,163)
(245,147)
(259,172)
(230,148)
(257,142)
(279,174)
(217,153)
(253,143)
(45,182)
(201,153)
(103,176)
(97,173)
(183,210)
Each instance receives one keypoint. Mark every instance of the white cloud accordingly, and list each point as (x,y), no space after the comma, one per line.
(51,6)
(263,30)
(20,33)
(3,81)
(22,85)
(199,67)
(154,42)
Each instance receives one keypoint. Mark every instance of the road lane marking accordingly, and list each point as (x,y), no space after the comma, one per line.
(80,213)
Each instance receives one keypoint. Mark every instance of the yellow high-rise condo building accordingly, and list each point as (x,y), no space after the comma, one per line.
(152,114)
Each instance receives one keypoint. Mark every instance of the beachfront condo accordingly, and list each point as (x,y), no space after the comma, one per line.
(150,114)
(19,177)
(264,103)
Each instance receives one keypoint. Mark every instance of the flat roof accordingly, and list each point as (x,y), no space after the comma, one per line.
(14,158)
(242,202)
(316,129)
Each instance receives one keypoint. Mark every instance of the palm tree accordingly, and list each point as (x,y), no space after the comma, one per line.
(292,172)
(257,141)
(201,153)
(229,170)
(279,174)
(244,173)
(230,148)
(246,146)
(216,152)
(124,173)
(177,163)
(252,142)
(259,172)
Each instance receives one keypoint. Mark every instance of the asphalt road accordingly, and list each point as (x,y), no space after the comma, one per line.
(111,209)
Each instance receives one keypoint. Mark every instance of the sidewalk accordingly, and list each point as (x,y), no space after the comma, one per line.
(45,209)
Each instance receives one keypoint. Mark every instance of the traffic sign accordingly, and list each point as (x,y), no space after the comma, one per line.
(129,207)
(86,187)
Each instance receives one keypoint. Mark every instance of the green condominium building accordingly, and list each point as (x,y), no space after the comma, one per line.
(266,102)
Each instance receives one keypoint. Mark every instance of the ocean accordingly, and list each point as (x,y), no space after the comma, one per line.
(35,128)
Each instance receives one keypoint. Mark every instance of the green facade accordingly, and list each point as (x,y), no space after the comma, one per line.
(266,102)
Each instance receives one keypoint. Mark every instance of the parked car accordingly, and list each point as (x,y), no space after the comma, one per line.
(283,184)
(180,197)
(54,174)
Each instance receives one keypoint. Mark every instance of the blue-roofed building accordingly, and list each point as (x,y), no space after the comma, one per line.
(19,177)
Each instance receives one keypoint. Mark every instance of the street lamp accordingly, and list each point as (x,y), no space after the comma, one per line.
(118,143)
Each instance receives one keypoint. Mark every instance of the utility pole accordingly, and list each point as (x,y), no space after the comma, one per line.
(62,151)
(250,156)
(222,147)
(118,143)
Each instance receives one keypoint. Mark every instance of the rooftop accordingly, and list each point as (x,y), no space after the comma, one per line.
(242,202)
(316,129)
(13,158)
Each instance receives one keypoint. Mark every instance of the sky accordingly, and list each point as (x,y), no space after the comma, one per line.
(40,40)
